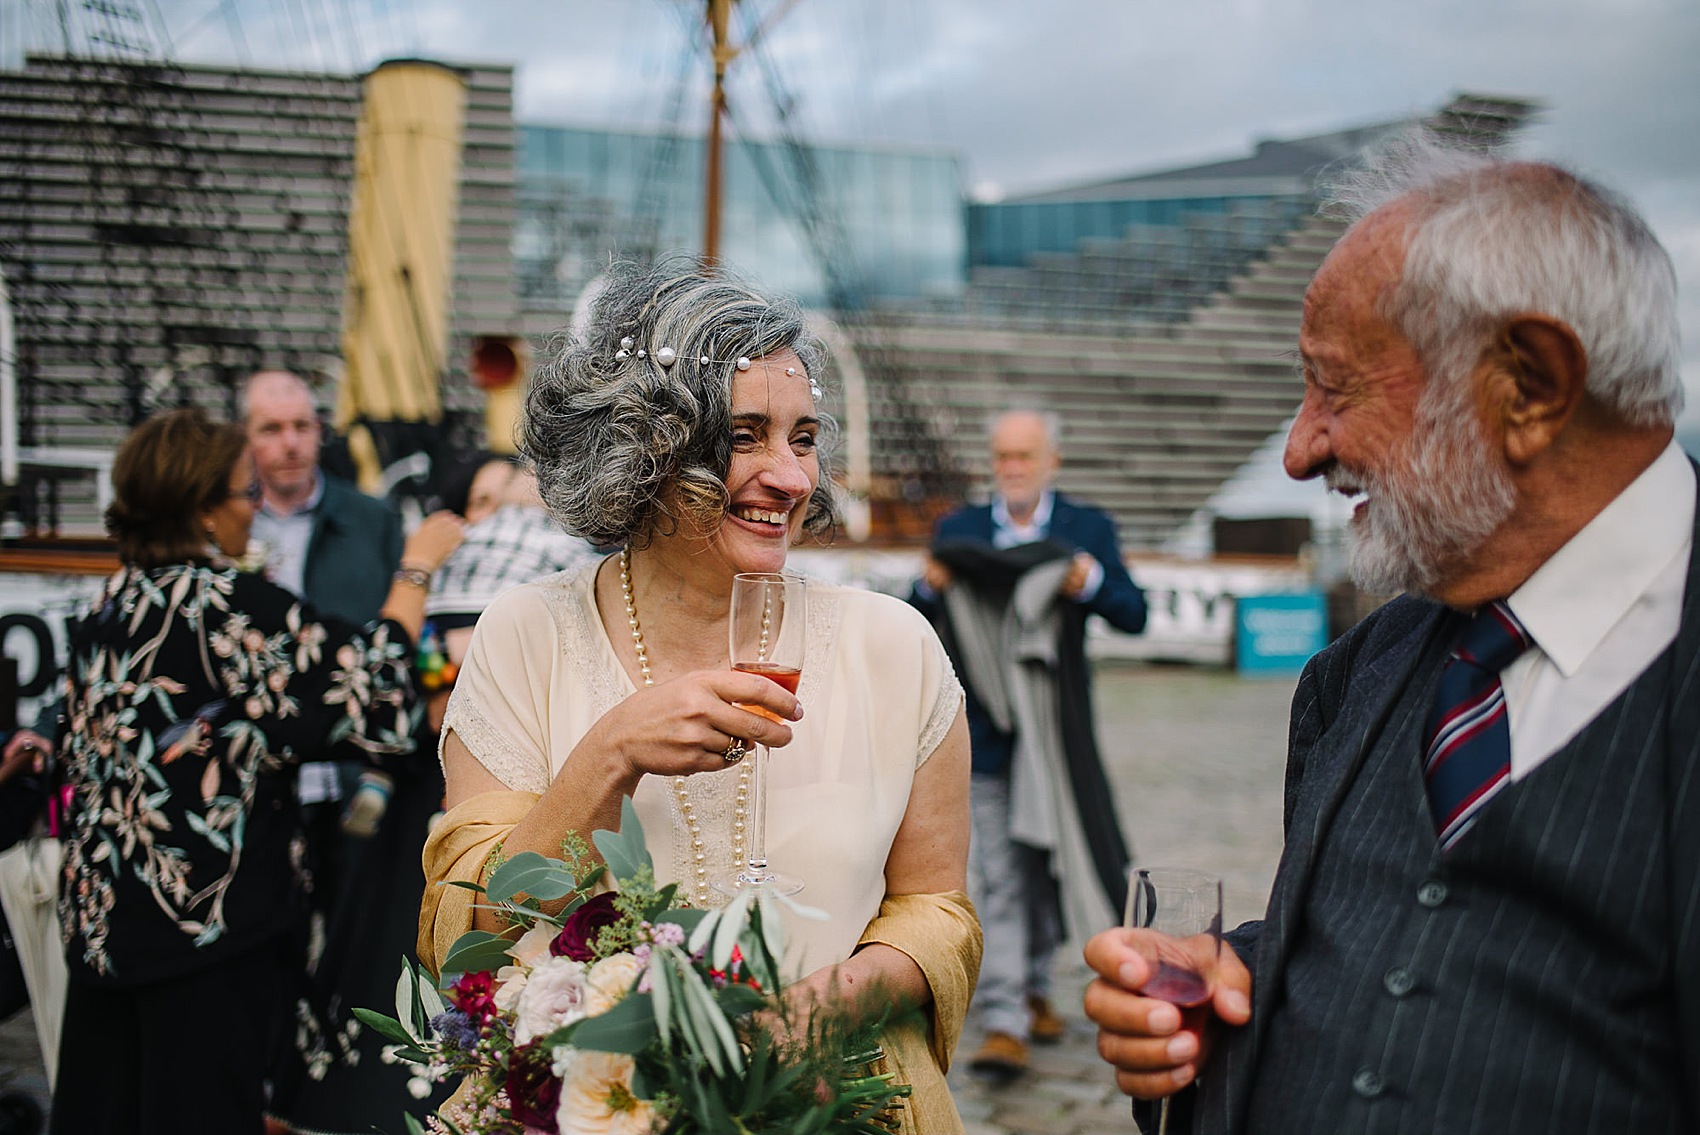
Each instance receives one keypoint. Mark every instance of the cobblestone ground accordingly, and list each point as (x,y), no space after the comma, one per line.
(1195,757)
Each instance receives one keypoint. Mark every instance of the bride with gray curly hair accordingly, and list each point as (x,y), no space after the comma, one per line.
(685,430)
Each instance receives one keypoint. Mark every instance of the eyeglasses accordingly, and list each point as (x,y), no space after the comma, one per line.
(254,492)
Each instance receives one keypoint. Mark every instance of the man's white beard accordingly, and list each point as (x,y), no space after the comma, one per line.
(1449,494)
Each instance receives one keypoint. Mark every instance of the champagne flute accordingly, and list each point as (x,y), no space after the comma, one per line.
(767,633)
(1177,904)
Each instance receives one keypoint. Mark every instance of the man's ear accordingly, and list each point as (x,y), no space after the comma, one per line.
(1537,376)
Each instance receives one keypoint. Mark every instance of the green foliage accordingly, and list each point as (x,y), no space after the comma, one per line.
(476,951)
(716,1049)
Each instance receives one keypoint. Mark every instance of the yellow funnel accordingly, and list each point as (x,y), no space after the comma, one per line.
(401,244)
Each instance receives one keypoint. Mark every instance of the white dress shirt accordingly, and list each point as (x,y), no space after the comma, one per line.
(1600,610)
(286,536)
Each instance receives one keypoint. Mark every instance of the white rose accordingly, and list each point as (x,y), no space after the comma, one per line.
(553,996)
(532,948)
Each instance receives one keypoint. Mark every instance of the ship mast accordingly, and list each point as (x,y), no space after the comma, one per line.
(719,16)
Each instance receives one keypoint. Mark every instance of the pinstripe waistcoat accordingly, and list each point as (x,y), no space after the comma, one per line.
(1542,977)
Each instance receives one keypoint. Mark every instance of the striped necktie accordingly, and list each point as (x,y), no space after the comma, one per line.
(1468,756)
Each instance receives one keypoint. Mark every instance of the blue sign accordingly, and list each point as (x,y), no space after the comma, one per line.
(1275,635)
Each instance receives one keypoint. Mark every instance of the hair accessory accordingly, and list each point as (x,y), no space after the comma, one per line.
(665,357)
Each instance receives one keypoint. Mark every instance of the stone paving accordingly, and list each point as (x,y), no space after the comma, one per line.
(1196,759)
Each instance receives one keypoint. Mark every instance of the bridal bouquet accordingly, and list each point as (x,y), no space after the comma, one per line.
(625,1014)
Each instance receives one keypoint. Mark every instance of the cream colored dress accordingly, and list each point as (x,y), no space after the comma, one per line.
(878,694)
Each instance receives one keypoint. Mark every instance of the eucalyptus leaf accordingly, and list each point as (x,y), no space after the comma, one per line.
(627,1028)
(386,1027)
(477,951)
(684,918)
(531,874)
(736,1000)
(662,902)
(624,851)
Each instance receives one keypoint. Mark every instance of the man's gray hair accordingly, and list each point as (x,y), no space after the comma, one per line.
(1050,419)
(244,391)
(1491,238)
(625,449)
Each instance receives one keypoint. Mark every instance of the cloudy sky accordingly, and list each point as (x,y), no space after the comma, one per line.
(1033,95)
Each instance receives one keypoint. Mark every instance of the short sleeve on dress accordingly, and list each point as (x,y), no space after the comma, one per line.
(500,705)
(941,693)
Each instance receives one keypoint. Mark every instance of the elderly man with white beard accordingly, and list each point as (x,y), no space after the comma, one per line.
(1486,919)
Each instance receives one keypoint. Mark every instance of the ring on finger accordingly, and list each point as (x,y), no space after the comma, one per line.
(734,750)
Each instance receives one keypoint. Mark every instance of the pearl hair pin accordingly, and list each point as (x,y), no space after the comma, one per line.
(665,357)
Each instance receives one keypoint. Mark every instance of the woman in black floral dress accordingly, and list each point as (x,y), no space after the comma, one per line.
(190,688)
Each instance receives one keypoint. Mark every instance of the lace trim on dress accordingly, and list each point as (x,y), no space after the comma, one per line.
(489,745)
(943,714)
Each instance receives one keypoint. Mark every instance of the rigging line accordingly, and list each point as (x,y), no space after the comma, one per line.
(166,47)
(822,221)
(238,36)
(199,25)
(937,114)
(292,12)
(356,49)
(663,152)
(342,45)
(414,42)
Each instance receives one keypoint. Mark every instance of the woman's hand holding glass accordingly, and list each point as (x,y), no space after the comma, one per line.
(687,724)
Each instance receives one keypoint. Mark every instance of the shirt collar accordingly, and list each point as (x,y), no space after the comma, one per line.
(311,503)
(1612,561)
(1041,513)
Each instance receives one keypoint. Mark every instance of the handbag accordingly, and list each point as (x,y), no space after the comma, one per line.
(29,894)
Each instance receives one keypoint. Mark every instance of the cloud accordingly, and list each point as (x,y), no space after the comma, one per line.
(1037,95)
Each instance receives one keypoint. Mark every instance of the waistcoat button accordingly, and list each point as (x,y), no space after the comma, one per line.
(1399,981)
(1432,893)
(1368,1083)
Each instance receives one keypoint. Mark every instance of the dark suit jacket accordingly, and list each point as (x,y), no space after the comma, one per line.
(1119,599)
(353,551)
(1343,701)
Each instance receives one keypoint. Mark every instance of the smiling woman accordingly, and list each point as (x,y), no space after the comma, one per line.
(685,430)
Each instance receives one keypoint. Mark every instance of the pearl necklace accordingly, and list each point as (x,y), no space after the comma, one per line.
(702,897)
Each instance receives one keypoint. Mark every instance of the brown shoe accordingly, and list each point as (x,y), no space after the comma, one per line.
(1048,1026)
(1000,1058)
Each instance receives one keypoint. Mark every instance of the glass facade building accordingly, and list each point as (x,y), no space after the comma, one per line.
(891,220)
(1008,234)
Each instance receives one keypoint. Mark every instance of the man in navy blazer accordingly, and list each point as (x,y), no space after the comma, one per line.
(1014,884)
(1491,360)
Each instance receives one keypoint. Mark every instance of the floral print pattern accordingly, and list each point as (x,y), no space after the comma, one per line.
(191,693)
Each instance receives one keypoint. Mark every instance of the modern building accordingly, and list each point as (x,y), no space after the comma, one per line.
(890,221)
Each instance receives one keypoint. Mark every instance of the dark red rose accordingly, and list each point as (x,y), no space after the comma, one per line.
(582,926)
(475,995)
(533,1092)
